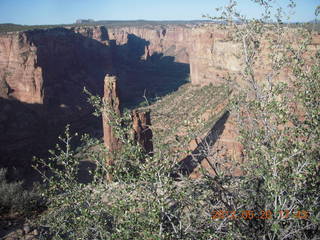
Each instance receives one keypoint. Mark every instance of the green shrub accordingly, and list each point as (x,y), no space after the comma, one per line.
(14,199)
(278,125)
(142,202)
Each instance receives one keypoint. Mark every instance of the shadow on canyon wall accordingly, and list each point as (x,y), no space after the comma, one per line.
(27,131)
(189,163)
(153,77)
(70,62)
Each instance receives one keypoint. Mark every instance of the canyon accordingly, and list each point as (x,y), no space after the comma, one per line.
(43,73)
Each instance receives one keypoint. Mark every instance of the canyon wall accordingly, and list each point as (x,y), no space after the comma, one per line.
(49,66)
(212,55)
(43,73)
(42,76)
(20,76)
(35,65)
(150,61)
(206,50)
(166,40)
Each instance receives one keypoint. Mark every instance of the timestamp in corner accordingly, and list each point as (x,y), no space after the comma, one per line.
(261,214)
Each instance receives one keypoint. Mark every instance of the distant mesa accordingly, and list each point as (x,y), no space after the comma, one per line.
(84,21)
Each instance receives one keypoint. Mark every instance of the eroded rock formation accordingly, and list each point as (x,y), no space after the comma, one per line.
(112,102)
(141,121)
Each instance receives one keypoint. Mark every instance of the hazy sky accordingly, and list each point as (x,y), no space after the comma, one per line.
(67,11)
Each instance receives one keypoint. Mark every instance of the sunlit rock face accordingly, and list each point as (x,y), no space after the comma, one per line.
(20,76)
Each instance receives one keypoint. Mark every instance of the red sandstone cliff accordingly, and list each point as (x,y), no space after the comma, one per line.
(170,41)
(213,55)
(20,75)
(34,63)
(42,76)
(46,70)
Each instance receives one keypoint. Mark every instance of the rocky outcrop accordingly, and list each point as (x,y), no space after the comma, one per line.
(35,64)
(141,121)
(225,153)
(20,75)
(112,102)
(99,33)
